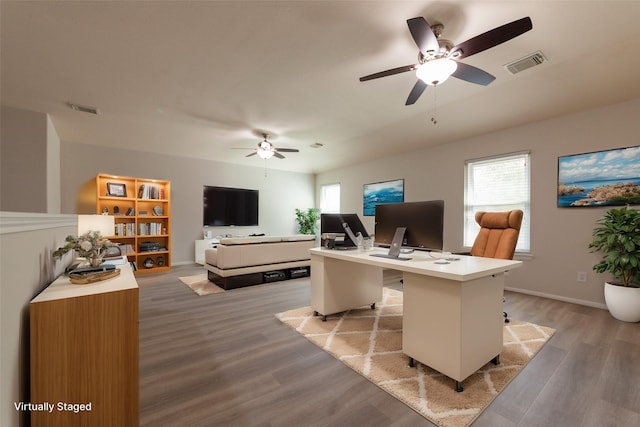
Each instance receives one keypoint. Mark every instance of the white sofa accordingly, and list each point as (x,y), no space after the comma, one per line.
(245,261)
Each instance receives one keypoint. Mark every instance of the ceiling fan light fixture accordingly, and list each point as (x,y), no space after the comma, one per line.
(265,153)
(436,71)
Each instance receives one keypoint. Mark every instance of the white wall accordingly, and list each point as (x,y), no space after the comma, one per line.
(27,241)
(280,192)
(559,236)
(53,168)
(27,162)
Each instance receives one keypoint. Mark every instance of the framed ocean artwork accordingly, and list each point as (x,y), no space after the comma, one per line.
(382,192)
(601,178)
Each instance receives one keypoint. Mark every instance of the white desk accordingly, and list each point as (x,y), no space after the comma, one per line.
(452,319)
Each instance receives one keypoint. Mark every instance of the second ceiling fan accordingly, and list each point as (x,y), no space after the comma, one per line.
(266,149)
(438,58)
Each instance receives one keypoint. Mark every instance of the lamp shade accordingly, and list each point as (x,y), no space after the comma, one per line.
(436,71)
(103,224)
(265,154)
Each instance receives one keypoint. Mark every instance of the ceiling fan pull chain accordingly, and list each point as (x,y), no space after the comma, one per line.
(434,116)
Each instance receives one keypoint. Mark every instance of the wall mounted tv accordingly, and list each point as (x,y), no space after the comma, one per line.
(223,206)
(424,222)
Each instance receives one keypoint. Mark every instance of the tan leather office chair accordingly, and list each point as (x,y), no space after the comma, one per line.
(498,236)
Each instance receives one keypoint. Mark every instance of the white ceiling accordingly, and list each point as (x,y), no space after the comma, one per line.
(200,78)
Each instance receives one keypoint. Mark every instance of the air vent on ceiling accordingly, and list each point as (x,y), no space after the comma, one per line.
(83,108)
(525,63)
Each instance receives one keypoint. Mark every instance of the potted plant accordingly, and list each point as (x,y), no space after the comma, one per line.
(90,245)
(618,238)
(307,220)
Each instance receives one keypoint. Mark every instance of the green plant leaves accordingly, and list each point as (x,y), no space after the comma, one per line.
(307,220)
(618,237)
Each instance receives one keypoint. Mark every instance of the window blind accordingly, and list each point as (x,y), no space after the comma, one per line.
(330,198)
(497,184)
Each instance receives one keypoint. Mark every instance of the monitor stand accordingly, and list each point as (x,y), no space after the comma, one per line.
(396,244)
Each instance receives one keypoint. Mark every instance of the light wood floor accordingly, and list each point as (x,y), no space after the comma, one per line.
(225,360)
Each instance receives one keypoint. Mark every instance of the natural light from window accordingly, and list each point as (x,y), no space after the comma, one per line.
(330,198)
(497,184)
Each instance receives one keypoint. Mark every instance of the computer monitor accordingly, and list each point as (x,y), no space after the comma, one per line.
(424,222)
(333,223)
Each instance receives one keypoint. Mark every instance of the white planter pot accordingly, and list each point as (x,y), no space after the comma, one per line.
(623,302)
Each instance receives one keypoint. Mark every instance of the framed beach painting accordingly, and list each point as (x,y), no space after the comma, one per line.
(602,178)
(382,192)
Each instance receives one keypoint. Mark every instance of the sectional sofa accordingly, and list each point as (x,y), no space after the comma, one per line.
(246,261)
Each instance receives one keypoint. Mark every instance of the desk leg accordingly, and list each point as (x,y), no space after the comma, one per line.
(452,327)
(338,285)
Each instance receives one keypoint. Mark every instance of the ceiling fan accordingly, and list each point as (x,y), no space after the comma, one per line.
(438,58)
(266,150)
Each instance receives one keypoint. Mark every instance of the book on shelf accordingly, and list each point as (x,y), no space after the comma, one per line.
(150,191)
(125,229)
(149,228)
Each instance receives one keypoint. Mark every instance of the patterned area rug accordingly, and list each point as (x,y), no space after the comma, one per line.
(370,342)
(201,285)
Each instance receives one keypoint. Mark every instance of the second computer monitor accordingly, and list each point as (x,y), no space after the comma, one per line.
(424,222)
(332,223)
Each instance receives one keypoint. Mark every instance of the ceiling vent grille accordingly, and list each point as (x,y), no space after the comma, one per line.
(83,108)
(525,63)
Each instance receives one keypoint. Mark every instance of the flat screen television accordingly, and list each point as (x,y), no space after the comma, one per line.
(424,222)
(332,223)
(223,206)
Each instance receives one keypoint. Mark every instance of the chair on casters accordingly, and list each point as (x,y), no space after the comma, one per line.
(498,236)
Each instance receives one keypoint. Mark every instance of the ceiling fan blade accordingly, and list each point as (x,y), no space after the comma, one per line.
(422,34)
(389,72)
(278,155)
(472,74)
(493,37)
(252,154)
(415,93)
(288,150)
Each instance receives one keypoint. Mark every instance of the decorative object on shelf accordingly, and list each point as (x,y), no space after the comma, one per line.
(85,279)
(113,251)
(382,192)
(160,261)
(599,183)
(149,246)
(618,237)
(157,210)
(115,189)
(90,245)
(148,262)
(307,220)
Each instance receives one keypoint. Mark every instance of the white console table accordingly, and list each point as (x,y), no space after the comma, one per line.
(452,319)
(203,244)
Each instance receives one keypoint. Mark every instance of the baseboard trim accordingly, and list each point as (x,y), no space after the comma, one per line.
(185,263)
(558,298)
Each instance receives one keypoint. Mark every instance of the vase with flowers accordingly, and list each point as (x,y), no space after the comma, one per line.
(90,245)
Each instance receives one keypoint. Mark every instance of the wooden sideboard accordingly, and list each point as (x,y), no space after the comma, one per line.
(84,353)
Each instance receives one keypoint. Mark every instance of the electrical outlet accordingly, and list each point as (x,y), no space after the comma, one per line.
(582,276)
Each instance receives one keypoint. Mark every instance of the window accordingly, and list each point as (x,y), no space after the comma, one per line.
(497,184)
(330,198)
